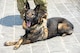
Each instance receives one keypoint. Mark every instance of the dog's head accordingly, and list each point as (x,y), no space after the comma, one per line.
(31,17)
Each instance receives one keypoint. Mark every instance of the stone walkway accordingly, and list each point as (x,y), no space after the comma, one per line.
(11,29)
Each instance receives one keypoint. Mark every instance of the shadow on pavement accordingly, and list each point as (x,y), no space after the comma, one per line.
(11,20)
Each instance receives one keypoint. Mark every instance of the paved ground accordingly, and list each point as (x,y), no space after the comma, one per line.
(11,29)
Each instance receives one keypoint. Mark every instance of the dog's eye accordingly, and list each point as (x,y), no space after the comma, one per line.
(32,14)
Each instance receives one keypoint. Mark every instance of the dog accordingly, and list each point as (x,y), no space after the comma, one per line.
(38,29)
(35,29)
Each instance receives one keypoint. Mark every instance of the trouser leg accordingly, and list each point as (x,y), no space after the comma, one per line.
(43,7)
(22,4)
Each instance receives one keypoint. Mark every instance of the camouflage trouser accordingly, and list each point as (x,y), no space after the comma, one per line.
(21,3)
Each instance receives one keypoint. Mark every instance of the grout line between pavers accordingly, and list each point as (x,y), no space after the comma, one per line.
(76,39)
(2,17)
(47,46)
(62,41)
(31,48)
(14,25)
(75,19)
(64,45)
(55,8)
(71,13)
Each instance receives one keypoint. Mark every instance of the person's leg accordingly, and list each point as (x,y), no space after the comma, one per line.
(43,7)
(22,4)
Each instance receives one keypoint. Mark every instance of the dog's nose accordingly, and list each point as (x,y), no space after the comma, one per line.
(27,19)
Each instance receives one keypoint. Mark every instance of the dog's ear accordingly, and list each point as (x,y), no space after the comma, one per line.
(27,6)
(37,8)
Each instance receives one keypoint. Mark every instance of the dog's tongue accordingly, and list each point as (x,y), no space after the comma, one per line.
(28,23)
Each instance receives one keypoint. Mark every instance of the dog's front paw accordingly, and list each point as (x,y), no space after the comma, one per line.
(9,43)
(16,47)
(5,44)
(63,35)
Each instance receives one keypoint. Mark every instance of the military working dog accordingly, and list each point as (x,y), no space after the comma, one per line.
(35,29)
(40,28)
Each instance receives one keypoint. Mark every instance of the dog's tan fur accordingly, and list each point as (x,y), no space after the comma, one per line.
(36,27)
(42,30)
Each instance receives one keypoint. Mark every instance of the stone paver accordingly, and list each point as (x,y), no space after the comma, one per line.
(11,29)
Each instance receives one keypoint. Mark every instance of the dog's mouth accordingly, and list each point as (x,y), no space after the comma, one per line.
(28,23)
